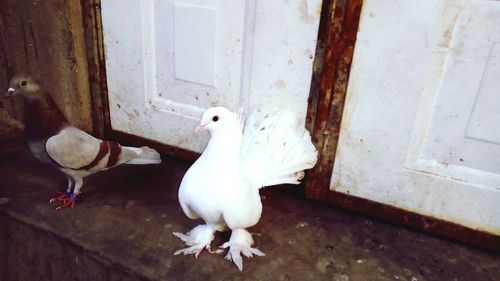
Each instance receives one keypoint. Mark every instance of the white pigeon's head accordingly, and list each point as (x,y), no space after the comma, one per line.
(24,85)
(217,119)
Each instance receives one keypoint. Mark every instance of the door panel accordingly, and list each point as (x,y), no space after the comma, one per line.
(167,61)
(420,129)
(194,45)
(163,70)
(463,141)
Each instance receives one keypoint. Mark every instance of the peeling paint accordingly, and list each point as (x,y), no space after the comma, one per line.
(308,53)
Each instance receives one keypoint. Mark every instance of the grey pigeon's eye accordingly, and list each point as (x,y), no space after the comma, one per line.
(215,118)
(23,83)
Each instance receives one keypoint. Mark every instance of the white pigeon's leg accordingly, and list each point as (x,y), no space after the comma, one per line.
(240,243)
(197,239)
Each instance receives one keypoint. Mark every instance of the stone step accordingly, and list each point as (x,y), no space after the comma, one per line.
(122,230)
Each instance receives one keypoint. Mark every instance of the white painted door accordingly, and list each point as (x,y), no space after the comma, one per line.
(421,126)
(169,60)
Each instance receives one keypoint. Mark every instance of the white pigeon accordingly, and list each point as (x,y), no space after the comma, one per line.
(222,186)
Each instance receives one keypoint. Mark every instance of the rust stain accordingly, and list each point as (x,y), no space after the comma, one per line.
(450,7)
(338,30)
(319,9)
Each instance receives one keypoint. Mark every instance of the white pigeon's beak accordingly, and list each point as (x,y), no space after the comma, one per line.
(200,127)
(10,92)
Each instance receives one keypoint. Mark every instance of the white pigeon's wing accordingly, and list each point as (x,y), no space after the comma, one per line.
(73,148)
(276,148)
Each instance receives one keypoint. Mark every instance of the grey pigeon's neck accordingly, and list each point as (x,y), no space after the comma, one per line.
(42,118)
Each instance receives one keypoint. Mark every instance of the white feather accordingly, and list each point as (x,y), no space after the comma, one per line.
(275,147)
(145,155)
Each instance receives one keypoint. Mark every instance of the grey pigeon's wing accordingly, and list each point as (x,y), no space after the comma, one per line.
(73,148)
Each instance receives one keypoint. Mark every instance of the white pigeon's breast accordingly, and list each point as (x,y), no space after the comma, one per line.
(205,191)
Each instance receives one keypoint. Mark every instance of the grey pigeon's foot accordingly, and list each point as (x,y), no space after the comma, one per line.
(68,200)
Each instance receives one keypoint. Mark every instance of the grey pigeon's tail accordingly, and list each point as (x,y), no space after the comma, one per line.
(145,155)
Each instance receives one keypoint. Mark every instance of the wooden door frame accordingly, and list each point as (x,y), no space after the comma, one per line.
(335,48)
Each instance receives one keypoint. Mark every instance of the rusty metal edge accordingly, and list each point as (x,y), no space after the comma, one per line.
(336,39)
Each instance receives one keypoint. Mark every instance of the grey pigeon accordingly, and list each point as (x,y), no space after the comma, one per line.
(222,186)
(54,141)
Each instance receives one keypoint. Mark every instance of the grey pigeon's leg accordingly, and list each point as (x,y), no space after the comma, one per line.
(64,196)
(70,197)
(78,186)
(71,184)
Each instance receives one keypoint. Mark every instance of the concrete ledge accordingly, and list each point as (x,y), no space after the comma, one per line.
(121,230)
(32,253)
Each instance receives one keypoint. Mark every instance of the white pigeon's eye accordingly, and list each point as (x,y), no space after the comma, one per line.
(215,118)
(23,83)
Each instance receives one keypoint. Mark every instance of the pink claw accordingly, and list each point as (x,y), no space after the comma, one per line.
(59,197)
(65,199)
(197,253)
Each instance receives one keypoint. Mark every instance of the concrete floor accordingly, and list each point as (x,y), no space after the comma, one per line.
(122,230)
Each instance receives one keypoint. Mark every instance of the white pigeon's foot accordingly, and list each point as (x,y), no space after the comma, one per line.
(197,239)
(240,243)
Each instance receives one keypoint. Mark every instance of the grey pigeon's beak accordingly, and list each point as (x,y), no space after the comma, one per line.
(10,92)
(199,128)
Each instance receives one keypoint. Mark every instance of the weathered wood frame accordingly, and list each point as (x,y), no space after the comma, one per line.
(92,23)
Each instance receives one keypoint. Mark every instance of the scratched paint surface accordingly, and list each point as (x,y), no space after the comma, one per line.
(166,70)
(410,136)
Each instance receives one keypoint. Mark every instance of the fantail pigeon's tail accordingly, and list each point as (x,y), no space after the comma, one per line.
(276,148)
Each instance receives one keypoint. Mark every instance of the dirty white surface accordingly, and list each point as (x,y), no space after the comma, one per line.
(421,127)
(167,61)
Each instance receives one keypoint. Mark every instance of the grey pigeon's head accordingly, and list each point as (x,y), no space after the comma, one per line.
(23,85)
(216,119)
